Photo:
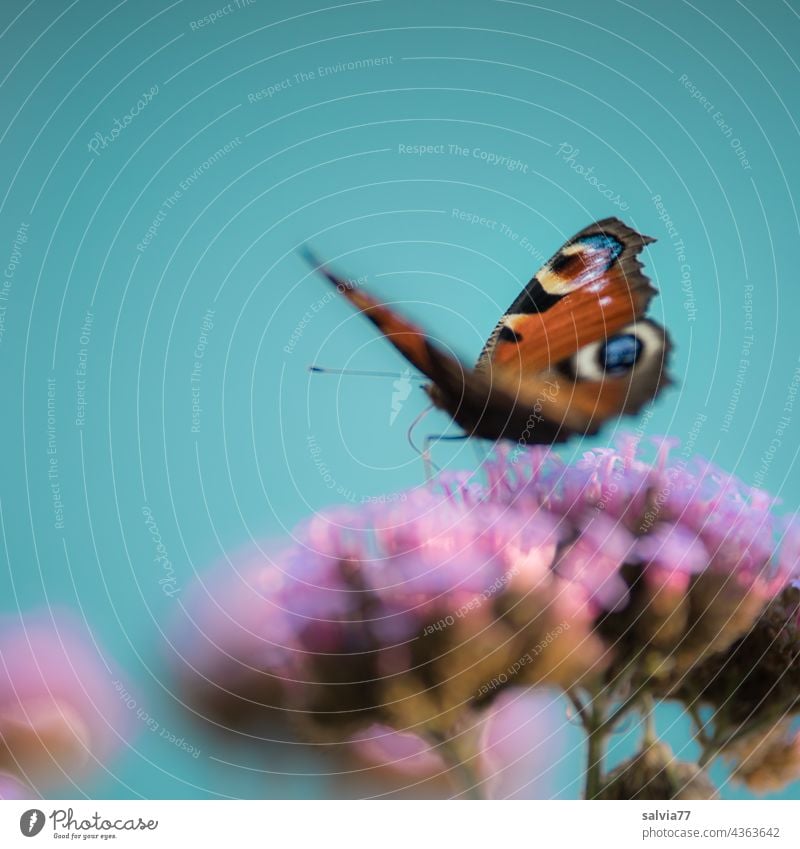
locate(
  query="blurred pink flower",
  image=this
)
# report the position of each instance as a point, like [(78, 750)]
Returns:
[(416, 614), (59, 711), (686, 513), (401, 751), (386, 614), (709, 552), (362, 584), (10, 788), (525, 736), (520, 739)]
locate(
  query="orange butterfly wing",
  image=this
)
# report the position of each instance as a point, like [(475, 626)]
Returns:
[(591, 292)]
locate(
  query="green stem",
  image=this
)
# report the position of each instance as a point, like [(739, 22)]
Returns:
[(649, 718), (594, 764), (699, 725), (609, 722), (597, 731), (579, 706), (464, 775), (598, 726)]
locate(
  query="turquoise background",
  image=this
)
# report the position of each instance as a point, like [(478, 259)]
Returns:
[(320, 161)]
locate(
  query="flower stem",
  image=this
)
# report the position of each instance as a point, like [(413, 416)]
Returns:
[(649, 719), (597, 728), (462, 771), (594, 763), (609, 722), (699, 725), (708, 755), (579, 706), (599, 725)]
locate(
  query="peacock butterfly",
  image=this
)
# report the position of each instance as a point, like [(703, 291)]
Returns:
[(574, 349)]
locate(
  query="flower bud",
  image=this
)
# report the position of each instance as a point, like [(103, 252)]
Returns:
[(655, 774), (767, 762)]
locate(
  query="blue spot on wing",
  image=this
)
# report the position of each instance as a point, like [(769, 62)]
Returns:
[(620, 354), (604, 242)]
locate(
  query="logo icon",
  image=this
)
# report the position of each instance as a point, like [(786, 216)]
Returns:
[(31, 822), (402, 389)]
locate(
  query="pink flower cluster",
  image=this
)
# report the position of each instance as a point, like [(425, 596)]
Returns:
[(389, 614), (59, 713), (407, 613)]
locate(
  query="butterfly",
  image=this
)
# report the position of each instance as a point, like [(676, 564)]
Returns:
[(571, 352)]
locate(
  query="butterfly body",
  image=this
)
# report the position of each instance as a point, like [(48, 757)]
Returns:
[(573, 350), (495, 415)]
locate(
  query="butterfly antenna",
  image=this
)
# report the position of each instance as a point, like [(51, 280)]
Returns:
[(363, 373)]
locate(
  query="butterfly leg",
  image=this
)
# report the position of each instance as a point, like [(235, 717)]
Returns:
[(430, 467), (426, 452)]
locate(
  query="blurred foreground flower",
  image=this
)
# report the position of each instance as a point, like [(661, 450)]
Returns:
[(618, 581), (59, 713), (517, 742)]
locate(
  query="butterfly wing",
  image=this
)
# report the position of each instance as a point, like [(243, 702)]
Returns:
[(594, 280), (412, 342), (580, 322)]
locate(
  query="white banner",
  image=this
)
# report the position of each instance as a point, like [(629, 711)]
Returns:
[(381, 824)]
